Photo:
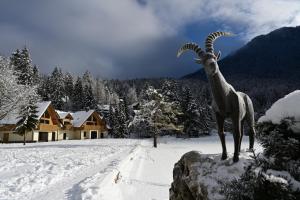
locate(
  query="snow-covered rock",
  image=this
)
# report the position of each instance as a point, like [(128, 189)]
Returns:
[(198, 176), (286, 107)]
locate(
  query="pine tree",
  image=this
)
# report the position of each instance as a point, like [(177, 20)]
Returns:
[(78, 95), (186, 99), (68, 90), (121, 125), (27, 119), (57, 88), (44, 89), (87, 79), (112, 120), (36, 75), (23, 66), (170, 90), (89, 99)]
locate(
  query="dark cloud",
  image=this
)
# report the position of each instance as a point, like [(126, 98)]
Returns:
[(128, 39)]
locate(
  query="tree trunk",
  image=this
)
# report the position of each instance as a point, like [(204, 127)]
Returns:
[(24, 138), (155, 140)]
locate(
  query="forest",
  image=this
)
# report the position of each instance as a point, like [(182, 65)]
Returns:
[(159, 106)]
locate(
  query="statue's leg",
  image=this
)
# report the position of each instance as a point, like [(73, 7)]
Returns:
[(242, 134), (251, 137), (236, 122), (220, 123)]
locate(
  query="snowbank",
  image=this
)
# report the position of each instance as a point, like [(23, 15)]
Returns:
[(288, 106)]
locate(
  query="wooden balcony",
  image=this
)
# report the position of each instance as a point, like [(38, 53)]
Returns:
[(92, 127), (47, 127)]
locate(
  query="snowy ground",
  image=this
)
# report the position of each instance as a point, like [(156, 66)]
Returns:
[(107, 169)]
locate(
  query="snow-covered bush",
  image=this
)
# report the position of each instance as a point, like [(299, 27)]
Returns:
[(276, 172)]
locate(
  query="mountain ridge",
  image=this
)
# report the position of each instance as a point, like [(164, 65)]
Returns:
[(273, 55)]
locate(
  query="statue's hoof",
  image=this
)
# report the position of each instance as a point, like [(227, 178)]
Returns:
[(235, 158), (224, 157)]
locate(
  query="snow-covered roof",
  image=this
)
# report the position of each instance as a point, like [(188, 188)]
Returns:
[(62, 114), (104, 107), (12, 117), (42, 107), (288, 106), (80, 117)]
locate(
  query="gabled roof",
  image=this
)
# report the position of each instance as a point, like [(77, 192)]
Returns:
[(63, 114), (80, 117), (42, 107), (12, 118)]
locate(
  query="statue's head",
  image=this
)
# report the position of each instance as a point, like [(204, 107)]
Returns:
[(207, 58)]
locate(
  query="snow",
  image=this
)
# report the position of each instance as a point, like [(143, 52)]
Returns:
[(62, 114), (42, 107), (288, 106), (283, 177), (12, 117), (100, 169), (80, 117)]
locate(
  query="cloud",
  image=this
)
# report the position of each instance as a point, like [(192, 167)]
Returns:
[(248, 17), (127, 38)]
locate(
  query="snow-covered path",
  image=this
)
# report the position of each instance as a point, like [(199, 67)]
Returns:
[(108, 169), (148, 173), (55, 170)]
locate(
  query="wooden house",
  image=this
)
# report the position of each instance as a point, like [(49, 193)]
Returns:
[(56, 125), (88, 125), (46, 130)]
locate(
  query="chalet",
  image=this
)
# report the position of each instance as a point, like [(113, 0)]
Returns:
[(88, 125), (66, 121), (54, 125), (46, 130)]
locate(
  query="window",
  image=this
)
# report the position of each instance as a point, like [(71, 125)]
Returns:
[(84, 134), (44, 121), (46, 115), (67, 123)]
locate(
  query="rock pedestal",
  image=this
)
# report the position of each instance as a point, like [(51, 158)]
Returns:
[(198, 176), (185, 184)]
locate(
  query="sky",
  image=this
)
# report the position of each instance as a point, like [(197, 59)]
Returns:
[(133, 38)]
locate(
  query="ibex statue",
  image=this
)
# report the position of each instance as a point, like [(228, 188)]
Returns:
[(227, 102)]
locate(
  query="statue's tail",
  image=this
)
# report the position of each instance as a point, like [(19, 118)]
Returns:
[(250, 120)]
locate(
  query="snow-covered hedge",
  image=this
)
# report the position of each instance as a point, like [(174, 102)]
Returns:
[(286, 107)]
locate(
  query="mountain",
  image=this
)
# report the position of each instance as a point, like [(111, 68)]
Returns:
[(274, 55)]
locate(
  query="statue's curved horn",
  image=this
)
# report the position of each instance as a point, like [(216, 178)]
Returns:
[(209, 42), (191, 46)]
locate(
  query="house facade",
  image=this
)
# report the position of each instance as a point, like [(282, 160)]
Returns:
[(89, 125), (46, 129), (55, 125)]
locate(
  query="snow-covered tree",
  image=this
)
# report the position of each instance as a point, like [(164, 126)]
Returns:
[(27, 118), (23, 66), (68, 90), (131, 96), (57, 88), (78, 95), (87, 79), (12, 94), (36, 75), (44, 88), (111, 120), (101, 95), (121, 130), (89, 99)]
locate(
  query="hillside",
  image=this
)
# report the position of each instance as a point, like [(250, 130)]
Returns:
[(274, 55)]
